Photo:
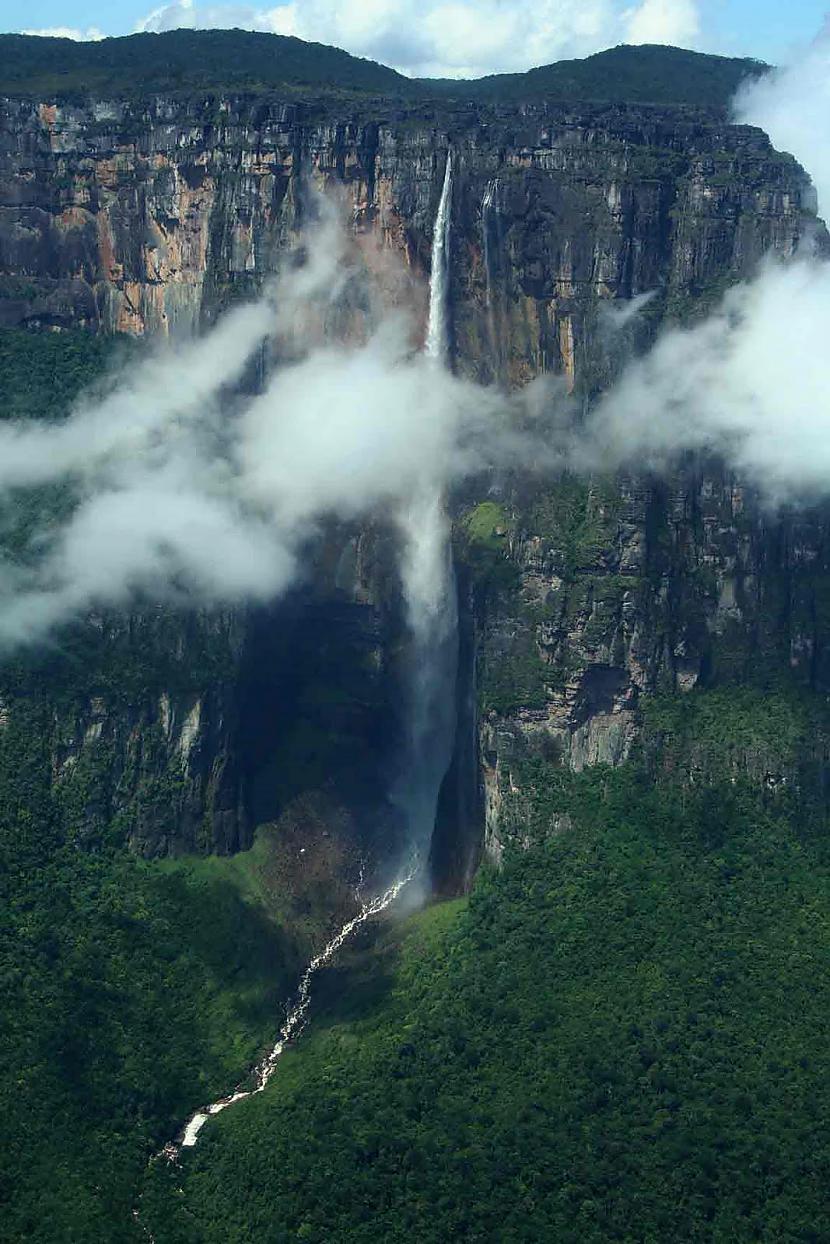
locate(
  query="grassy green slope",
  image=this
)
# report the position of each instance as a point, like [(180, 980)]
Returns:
[(623, 1037)]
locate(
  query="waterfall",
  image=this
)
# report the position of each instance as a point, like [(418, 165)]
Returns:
[(429, 591), (436, 345), (430, 596), (493, 242)]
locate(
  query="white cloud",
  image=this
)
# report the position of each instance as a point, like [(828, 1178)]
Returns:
[(165, 394), (675, 22), (793, 106), (168, 17), (752, 382), (187, 15), (92, 33), (453, 38), (183, 493)]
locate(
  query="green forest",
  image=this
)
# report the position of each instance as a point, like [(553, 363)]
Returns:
[(621, 1036), (188, 61), (131, 990)]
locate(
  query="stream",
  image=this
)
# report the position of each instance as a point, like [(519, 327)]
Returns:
[(294, 1022)]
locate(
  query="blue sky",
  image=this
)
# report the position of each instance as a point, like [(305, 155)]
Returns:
[(459, 36)]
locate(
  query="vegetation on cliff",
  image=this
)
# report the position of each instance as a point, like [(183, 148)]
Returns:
[(648, 74), (240, 60), (623, 1036), (41, 374), (130, 992), (184, 60)]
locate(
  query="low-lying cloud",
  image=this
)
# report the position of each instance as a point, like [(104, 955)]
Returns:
[(148, 407), (751, 383), (793, 104), (181, 488)]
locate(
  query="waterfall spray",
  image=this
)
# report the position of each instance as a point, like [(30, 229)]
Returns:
[(429, 591)]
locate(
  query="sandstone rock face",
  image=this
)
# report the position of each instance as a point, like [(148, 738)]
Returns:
[(137, 218), (149, 218)]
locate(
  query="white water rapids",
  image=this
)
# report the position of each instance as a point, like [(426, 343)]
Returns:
[(294, 1021)]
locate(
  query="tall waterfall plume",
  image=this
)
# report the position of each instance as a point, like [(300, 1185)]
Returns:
[(437, 338), (429, 590), (430, 596)]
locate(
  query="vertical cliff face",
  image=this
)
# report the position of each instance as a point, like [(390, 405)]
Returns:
[(625, 589), (149, 217), (142, 712), (183, 731), (579, 596)]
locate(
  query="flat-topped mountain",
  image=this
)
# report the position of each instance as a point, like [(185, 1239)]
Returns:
[(620, 1032), (234, 60)]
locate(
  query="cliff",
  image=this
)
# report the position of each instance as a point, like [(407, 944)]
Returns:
[(147, 217), (579, 597), (193, 801)]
